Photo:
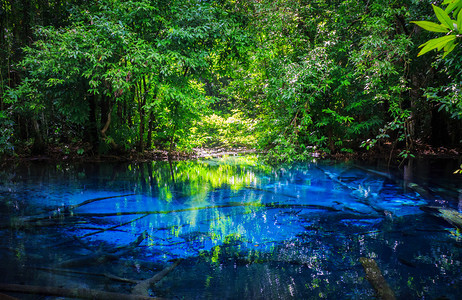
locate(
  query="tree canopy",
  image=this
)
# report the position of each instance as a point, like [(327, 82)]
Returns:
[(288, 77)]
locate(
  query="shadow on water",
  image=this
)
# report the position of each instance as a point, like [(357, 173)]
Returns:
[(231, 228)]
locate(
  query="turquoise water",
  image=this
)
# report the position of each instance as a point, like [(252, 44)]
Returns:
[(243, 230)]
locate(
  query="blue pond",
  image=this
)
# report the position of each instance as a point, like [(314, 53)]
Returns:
[(231, 228)]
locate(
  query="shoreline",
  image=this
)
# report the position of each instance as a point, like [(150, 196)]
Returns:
[(131, 156), (55, 155)]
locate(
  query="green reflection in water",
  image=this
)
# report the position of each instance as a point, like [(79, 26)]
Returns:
[(196, 185), (195, 178), (219, 215)]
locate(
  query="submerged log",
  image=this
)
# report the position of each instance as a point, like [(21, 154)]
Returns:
[(102, 256), (376, 279), (375, 172), (228, 205), (335, 179), (6, 297), (114, 227), (425, 193), (450, 215), (69, 208), (80, 293), (142, 288), (363, 195), (50, 218), (270, 192), (106, 275)]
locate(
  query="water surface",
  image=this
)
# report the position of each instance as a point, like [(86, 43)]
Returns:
[(241, 229)]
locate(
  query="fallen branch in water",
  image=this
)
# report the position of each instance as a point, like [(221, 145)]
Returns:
[(69, 208), (376, 279), (21, 223), (450, 215), (142, 288), (102, 256), (106, 275), (424, 192), (270, 192), (375, 172), (99, 230), (229, 205), (363, 198), (146, 213), (80, 293), (335, 179), (113, 227), (49, 219), (6, 297)]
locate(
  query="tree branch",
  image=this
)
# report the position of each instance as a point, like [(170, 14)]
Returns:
[(142, 288), (70, 293)]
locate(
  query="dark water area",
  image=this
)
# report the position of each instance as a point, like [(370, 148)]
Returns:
[(232, 228)]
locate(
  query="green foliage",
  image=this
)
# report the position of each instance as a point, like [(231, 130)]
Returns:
[(6, 134), (334, 76), (230, 131), (447, 94), (288, 77), (453, 28), (145, 63), (288, 150), (449, 97)]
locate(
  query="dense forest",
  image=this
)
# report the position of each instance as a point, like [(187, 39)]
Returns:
[(288, 77)]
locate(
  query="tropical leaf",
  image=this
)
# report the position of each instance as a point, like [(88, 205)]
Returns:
[(437, 43), (449, 47), (430, 26), (443, 17), (454, 6), (459, 21), (450, 7)]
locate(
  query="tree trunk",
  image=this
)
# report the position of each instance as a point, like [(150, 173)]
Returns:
[(106, 112), (105, 108), (440, 130), (150, 128), (91, 128), (141, 103), (25, 33), (39, 145)]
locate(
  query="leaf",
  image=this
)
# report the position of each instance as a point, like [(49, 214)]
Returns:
[(450, 7), (443, 17), (459, 22), (430, 26), (448, 48), (449, 45), (436, 43), (454, 6)]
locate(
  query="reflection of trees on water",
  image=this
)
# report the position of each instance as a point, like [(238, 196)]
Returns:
[(192, 178), (290, 231)]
